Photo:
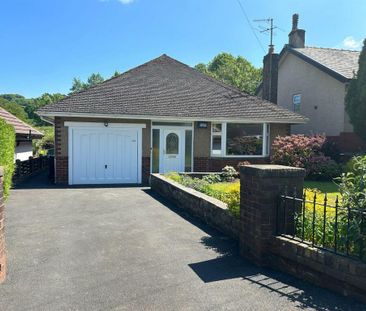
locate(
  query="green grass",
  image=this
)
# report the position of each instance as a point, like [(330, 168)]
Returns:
[(323, 186)]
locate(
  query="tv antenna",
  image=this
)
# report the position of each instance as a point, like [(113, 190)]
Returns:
[(268, 29)]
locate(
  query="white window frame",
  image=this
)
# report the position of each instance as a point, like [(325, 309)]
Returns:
[(223, 153)]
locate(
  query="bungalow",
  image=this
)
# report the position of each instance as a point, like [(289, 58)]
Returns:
[(158, 117), (24, 135)]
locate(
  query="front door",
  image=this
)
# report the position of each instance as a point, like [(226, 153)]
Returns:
[(172, 151)]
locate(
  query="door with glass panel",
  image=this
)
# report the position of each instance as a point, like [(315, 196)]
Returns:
[(172, 150)]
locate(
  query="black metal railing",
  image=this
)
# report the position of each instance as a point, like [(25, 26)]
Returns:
[(322, 222)]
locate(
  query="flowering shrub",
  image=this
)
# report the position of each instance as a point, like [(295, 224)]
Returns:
[(229, 173), (305, 152)]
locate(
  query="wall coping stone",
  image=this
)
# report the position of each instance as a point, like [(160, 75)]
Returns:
[(272, 170), (192, 191)]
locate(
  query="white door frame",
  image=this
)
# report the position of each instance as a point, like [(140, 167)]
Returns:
[(170, 127), (92, 125)]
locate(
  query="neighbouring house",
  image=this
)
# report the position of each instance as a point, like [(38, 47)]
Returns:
[(313, 82), (158, 117), (24, 135)]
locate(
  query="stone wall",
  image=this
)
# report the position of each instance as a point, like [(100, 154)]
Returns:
[(2, 237), (211, 211)]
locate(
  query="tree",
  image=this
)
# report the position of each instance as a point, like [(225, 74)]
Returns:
[(356, 97), (94, 79), (116, 74), (15, 109), (78, 85), (236, 71)]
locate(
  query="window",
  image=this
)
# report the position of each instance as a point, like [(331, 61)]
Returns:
[(156, 150), (239, 139), (188, 151), (296, 102), (216, 133), (244, 139), (172, 144)]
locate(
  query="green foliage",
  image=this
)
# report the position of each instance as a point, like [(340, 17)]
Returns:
[(235, 71), (353, 185), (229, 173), (93, 79), (25, 108), (42, 146), (78, 85), (7, 143), (212, 185), (15, 109), (356, 97), (36, 103)]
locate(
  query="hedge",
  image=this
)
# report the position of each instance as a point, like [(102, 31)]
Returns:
[(7, 146)]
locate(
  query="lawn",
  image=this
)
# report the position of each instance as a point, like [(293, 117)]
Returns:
[(328, 187)]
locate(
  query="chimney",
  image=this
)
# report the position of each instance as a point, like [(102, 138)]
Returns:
[(296, 36), (270, 76)]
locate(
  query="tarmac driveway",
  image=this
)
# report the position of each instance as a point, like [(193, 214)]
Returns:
[(125, 249)]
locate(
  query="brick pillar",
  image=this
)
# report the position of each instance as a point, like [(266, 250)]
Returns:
[(260, 188), (2, 237)]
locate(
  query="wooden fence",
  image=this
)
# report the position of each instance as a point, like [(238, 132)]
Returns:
[(24, 169)]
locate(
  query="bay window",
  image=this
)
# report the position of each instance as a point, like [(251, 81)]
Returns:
[(239, 139)]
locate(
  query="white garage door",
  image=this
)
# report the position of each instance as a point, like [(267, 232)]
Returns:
[(104, 155)]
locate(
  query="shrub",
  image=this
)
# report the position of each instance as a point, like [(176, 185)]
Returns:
[(323, 168), (7, 146), (242, 163), (229, 173), (330, 149), (212, 178), (353, 189), (305, 152), (174, 176), (353, 185)]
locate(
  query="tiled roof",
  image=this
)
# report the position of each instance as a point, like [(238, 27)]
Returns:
[(165, 87), (20, 127), (342, 62)]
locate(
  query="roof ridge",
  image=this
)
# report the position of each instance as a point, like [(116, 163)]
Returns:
[(331, 49)]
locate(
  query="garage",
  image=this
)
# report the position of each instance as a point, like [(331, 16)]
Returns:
[(102, 153)]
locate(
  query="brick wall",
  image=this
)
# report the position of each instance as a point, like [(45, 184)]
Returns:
[(145, 170), (61, 161), (204, 164), (348, 142), (2, 237), (261, 186)]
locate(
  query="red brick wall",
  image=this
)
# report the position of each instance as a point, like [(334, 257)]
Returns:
[(2, 237), (348, 142), (203, 164), (62, 162), (145, 170)]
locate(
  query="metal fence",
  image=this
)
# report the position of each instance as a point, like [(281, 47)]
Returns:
[(323, 222)]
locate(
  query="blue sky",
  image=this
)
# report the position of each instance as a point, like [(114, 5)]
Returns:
[(47, 43)]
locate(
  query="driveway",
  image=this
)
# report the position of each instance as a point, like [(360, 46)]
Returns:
[(125, 249)]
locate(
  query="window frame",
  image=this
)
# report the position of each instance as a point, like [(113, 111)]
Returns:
[(223, 134)]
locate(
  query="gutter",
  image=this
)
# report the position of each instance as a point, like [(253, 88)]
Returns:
[(46, 115)]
